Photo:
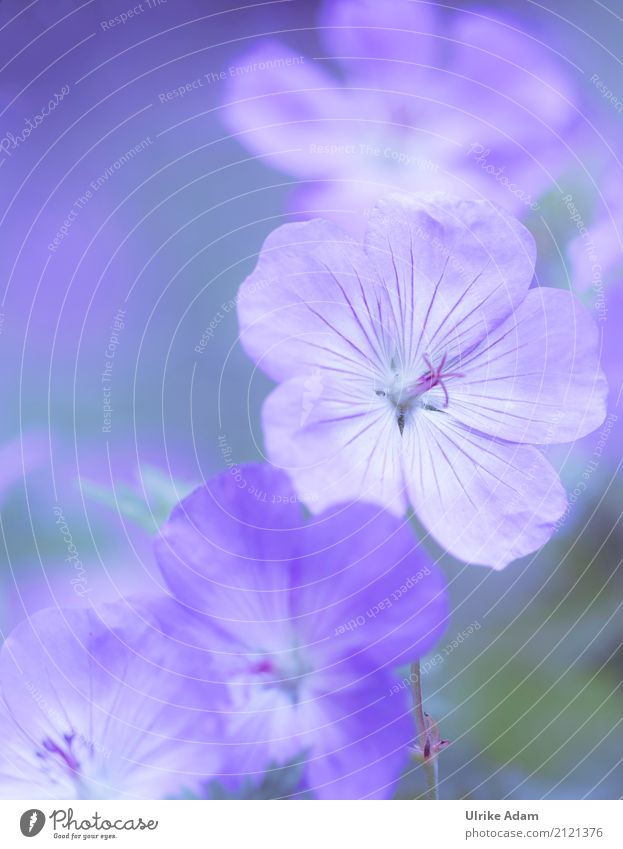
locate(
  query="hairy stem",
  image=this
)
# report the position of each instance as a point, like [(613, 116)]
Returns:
[(423, 735)]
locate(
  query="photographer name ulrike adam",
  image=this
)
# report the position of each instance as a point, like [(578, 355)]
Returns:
[(495, 815)]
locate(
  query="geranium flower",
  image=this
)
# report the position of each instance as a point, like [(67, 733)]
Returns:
[(441, 370), (99, 710), (400, 95), (596, 260), (596, 250), (307, 621)]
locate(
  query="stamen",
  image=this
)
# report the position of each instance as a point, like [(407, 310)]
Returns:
[(403, 396), (66, 755), (285, 671), (263, 666), (435, 377)]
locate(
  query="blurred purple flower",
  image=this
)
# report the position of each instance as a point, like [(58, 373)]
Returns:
[(596, 250), (441, 370), (308, 620), (417, 99), (95, 709), (596, 265)]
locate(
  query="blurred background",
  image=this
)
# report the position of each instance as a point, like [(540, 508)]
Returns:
[(135, 193)]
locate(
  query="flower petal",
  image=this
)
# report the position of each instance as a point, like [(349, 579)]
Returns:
[(225, 553), (284, 107), (101, 709), (455, 269), (335, 446), (485, 501), (313, 299), (522, 93), (364, 584), (263, 729), (373, 41), (349, 728), (536, 378), (364, 732)]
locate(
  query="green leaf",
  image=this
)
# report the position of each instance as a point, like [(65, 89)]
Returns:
[(147, 503)]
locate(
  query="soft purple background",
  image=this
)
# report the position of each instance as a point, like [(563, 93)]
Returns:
[(168, 238)]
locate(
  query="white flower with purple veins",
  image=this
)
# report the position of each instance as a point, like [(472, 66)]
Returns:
[(442, 370), (90, 710)]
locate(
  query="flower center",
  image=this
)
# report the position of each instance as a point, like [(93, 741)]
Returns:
[(285, 671), (406, 394), (68, 755)]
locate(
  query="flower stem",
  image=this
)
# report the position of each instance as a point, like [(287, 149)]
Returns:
[(429, 757)]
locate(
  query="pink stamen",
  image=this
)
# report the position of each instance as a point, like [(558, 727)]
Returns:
[(435, 377), (65, 755), (265, 665)]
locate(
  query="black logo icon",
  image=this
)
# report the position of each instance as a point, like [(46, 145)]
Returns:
[(31, 822)]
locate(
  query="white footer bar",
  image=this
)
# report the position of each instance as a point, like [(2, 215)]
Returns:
[(302, 824)]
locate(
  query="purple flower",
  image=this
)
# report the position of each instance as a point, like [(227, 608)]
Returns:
[(596, 253), (308, 620), (95, 709), (441, 370), (410, 98)]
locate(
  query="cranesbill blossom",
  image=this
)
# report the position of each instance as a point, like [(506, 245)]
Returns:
[(436, 370), (401, 95), (596, 251), (595, 260), (307, 621), (96, 710)]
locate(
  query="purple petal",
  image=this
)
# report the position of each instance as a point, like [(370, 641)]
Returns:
[(312, 299), (97, 710), (365, 731), (283, 106), (522, 94), (455, 269), (225, 552), (611, 357), (365, 585), (347, 199), (595, 256), (485, 501), (536, 378), (263, 729), (335, 448), (385, 44), (350, 728)]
